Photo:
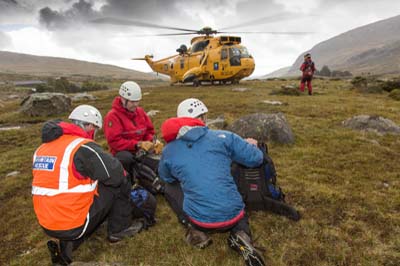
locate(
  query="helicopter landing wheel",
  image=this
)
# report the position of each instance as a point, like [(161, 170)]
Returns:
[(196, 83)]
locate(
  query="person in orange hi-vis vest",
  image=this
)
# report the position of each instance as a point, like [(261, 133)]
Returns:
[(76, 185)]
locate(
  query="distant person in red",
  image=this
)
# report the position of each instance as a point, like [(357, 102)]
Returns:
[(308, 69)]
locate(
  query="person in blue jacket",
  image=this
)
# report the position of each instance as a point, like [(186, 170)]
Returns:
[(199, 160)]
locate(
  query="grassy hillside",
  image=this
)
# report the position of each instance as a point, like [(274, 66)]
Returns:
[(57, 66), (345, 183)]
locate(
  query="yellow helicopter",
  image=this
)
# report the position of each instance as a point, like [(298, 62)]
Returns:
[(215, 59)]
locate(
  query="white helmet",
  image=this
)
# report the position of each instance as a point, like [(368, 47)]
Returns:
[(88, 114), (191, 108), (131, 91)]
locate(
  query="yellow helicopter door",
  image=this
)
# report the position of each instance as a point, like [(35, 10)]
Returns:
[(224, 63)]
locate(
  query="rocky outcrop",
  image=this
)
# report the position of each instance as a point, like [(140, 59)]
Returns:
[(370, 123), (46, 104), (264, 127)]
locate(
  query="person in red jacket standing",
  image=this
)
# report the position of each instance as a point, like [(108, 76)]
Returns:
[(308, 69), (127, 127)]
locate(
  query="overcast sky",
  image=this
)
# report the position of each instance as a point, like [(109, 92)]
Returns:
[(63, 28)]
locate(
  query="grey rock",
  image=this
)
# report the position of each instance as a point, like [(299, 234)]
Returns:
[(83, 96), (289, 87), (370, 123), (13, 96), (152, 112), (264, 127), (217, 123), (287, 90), (272, 102), (6, 128), (240, 89), (45, 104), (13, 173)]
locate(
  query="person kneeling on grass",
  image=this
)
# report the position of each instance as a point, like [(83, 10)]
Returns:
[(76, 185), (199, 161)]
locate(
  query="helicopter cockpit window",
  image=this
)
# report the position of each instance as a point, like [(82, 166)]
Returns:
[(224, 54), (200, 46), (234, 56), (244, 53)]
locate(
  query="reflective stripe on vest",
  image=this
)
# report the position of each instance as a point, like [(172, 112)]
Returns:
[(63, 177), (61, 201)]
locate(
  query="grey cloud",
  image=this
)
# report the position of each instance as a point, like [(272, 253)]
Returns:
[(83, 11), (79, 12)]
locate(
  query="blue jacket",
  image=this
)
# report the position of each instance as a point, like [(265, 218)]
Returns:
[(201, 161)]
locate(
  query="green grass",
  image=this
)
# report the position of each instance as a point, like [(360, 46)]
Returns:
[(335, 176)]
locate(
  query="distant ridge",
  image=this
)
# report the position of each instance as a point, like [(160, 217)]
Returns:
[(370, 49), (373, 49), (56, 66)]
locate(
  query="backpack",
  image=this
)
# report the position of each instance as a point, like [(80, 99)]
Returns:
[(144, 205), (259, 189), (145, 171)]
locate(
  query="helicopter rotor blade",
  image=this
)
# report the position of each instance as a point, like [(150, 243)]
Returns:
[(127, 22), (165, 34), (269, 32), (269, 19)]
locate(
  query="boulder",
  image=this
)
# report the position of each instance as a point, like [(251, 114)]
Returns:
[(372, 123), (217, 123), (264, 127), (83, 96), (45, 104)]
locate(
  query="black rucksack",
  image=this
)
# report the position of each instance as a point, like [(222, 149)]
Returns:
[(145, 171), (259, 189)]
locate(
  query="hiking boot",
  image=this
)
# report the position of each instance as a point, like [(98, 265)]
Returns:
[(128, 232), (309, 93), (56, 258), (197, 238), (241, 243)]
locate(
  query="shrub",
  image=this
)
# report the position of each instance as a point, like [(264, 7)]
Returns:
[(395, 94)]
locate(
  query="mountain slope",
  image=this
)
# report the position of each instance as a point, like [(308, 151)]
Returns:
[(50, 66), (373, 48)]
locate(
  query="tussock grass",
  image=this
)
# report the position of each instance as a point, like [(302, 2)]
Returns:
[(345, 183)]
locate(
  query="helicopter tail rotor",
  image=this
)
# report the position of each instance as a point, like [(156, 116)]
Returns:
[(146, 57)]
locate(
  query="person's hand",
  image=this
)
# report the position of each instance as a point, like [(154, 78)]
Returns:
[(158, 147), (252, 141), (145, 145)]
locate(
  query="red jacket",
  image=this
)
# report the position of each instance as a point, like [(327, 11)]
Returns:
[(124, 129), (308, 68)]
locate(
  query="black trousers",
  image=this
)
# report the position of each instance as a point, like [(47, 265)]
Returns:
[(112, 203), (127, 160), (174, 195)]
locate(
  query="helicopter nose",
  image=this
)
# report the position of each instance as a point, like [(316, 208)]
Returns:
[(248, 66)]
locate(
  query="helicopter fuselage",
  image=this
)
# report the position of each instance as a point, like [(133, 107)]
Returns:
[(220, 58)]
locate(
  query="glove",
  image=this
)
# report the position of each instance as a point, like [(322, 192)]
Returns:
[(158, 147), (145, 145)]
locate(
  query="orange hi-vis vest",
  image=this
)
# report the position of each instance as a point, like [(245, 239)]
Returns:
[(60, 200)]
